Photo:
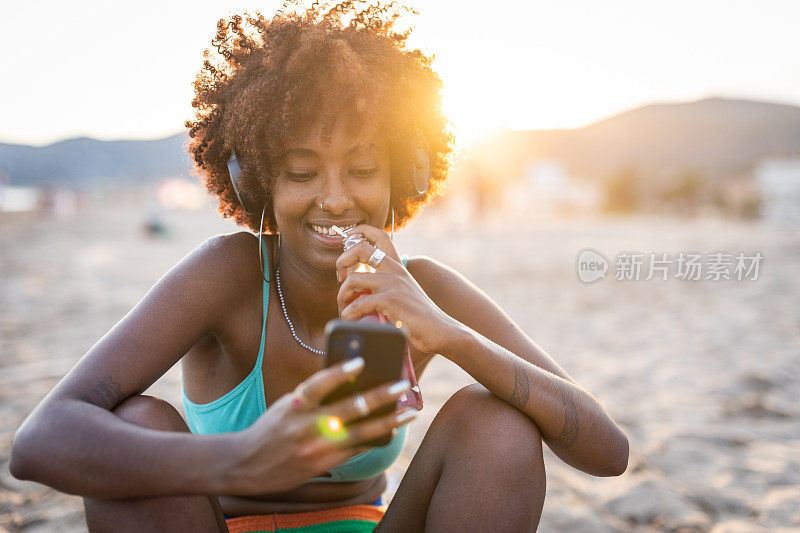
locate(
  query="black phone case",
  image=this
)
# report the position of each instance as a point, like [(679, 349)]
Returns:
[(383, 347)]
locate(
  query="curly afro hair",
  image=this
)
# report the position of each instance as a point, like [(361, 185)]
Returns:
[(273, 79)]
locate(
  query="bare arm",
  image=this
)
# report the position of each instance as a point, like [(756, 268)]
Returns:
[(486, 343), (74, 443), (80, 448), (572, 421)]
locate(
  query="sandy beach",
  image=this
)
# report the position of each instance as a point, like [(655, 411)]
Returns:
[(703, 376)]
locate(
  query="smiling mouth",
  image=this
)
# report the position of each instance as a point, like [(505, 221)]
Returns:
[(327, 231)]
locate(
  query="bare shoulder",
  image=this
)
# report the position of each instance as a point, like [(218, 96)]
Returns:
[(444, 284), (231, 250), (232, 261), (241, 239), (237, 254), (454, 293), (222, 264)]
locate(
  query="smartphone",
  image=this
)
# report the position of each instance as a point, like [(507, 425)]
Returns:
[(383, 347)]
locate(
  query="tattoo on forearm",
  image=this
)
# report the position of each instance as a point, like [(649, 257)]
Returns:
[(569, 433), (522, 390), (107, 392)]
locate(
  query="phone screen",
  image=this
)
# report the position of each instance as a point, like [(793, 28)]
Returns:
[(383, 347)]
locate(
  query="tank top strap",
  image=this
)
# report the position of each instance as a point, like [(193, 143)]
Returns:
[(264, 302)]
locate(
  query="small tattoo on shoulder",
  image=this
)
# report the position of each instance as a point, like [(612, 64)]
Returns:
[(107, 392), (522, 390)]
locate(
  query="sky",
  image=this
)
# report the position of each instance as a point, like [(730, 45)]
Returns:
[(119, 70)]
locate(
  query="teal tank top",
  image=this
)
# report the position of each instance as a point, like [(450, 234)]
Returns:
[(241, 406)]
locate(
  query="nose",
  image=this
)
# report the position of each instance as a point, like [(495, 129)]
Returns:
[(335, 197)]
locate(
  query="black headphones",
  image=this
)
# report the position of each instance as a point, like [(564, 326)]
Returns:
[(420, 175)]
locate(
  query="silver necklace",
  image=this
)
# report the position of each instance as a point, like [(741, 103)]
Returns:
[(286, 315)]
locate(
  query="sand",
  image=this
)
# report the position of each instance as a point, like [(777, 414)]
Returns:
[(703, 376)]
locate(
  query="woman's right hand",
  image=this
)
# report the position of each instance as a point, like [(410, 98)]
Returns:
[(291, 443)]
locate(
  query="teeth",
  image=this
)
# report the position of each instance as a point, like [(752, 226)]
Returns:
[(329, 231)]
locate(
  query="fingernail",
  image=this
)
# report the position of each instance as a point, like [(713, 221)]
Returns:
[(399, 387), (337, 277), (407, 415), (353, 364)]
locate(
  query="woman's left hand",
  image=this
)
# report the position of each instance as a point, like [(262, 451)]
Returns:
[(395, 293)]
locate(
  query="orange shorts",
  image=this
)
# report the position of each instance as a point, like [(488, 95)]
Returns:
[(351, 519)]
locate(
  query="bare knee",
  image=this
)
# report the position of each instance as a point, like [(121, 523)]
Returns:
[(167, 513), (150, 412), (474, 406), (493, 465), (479, 421)]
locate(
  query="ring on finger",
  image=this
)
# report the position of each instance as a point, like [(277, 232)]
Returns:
[(361, 405), (300, 399), (352, 239), (376, 258)]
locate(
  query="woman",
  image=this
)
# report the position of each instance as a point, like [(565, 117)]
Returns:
[(330, 124)]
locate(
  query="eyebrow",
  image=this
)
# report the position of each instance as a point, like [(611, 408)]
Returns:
[(305, 152)]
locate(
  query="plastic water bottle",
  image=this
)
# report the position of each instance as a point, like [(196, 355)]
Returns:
[(414, 398)]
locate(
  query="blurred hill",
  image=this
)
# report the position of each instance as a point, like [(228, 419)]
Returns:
[(83, 162), (717, 137)]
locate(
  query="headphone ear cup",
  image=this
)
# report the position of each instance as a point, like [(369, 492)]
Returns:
[(251, 207), (422, 171)]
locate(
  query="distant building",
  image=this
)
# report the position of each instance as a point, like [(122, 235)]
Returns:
[(778, 181), (548, 187), (13, 199)]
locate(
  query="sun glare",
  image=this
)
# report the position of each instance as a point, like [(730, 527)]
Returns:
[(472, 122)]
